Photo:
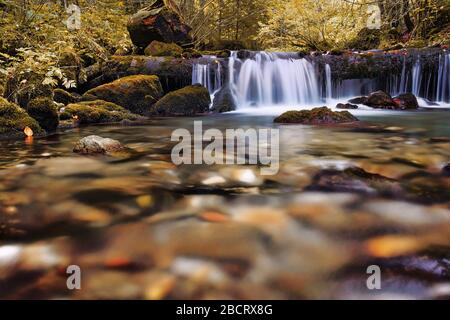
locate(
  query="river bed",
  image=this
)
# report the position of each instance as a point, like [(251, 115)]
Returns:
[(138, 226)]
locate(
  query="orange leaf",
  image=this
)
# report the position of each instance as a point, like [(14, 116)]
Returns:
[(28, 132)]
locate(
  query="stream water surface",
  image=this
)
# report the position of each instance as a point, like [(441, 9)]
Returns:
[(138, 226)]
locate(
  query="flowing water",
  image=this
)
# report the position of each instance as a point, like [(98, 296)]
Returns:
[(141, 227), (283, 80)]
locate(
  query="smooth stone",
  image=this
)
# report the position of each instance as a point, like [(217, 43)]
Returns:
[(95, 144)]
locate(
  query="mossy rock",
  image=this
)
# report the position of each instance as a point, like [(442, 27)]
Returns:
[(98, 111), (321, 115), (64, 97), (162, 49), (22, 87), (14, 119), (43, 110), (188, 101), (223, 100), (380, 99), (136, 93)]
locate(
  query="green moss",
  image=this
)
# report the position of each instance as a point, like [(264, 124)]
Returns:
[(64, 97), (321, 115), (187, 101), (136, 93), (14, 119), (162, 49), (98, 111), (21, 88), (43, 110)]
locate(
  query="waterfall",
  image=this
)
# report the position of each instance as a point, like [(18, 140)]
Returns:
[(283, 79), (268, 79), (328, 83), (208, 73), (416, 77), (443, 83)]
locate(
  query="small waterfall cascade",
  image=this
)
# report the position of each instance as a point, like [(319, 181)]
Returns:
[(208, 73), (416, 77), (268, 79), (328, 83), (443, 82)]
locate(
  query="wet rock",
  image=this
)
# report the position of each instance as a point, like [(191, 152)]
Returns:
[(161, 49), (13, 120), (446, 170), (97, 111), (380, 99), (95, 144), (321, 115), (358, 100), (346, 106), (354, 180), (406, 101), (244, 54), (64, 97), (190, 100), (135, 93), (174, 73), (223, 100), (159, 21), (43, 110)]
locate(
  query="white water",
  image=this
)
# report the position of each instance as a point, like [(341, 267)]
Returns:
[(280, 81), (270, 79), (328, 83), (208, 74)]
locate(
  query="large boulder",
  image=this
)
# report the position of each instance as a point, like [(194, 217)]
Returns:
[(188, 101), (346, 106), (43, 110), (14, 119), (174, 73), (162, 49), (135, 93), (97, 111), (159, 21), (321, 115), (223, 100), (64, 97), (380, 99), (406, 101)]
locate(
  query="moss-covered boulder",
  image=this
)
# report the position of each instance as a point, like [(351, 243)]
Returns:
[(380, 99), (98, 111), (188, 101), (223, 100), (135, 93), (346, 106), (43, 110), (159, 21), (173, 73), (64, 97), (162, 49), (358, 100), (14, 119), (23, 86), (406, 101), (321, 115)]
